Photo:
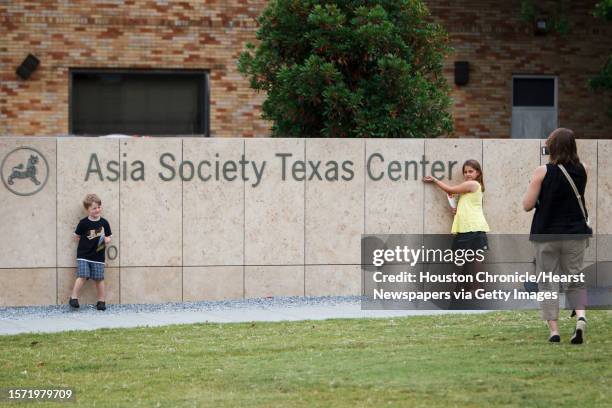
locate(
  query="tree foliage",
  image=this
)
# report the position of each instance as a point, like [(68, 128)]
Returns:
[(350, 68), (603, 9)]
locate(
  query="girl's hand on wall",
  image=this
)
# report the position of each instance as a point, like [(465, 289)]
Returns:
[(428, 179), (453, 211)]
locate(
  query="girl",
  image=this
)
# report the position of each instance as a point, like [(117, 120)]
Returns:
[(469, 224)]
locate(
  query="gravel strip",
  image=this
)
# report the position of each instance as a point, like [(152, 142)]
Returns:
[(29, 312)]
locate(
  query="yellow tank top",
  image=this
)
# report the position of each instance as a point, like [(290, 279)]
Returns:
[(469, 216)]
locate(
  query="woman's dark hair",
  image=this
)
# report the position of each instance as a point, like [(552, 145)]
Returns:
[(476, 166), (562, 147)]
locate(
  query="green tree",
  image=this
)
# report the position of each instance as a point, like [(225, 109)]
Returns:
[(350, 68)]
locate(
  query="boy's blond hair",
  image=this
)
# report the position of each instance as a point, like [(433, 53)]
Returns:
[(90, 199)]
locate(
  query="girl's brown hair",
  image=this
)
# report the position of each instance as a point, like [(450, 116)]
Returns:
[(562, 147), (476, 166)]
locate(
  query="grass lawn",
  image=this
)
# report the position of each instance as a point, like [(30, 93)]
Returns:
[(494, 359)]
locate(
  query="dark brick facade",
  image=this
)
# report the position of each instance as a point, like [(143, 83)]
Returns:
[(492, 37), (211, 34)]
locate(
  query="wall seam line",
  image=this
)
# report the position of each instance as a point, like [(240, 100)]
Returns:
[(304, 228), (364, 184), (244, 226), (365, 146), (119, 227), (423, 206), (56, 224), (596, 213), (182, 226)]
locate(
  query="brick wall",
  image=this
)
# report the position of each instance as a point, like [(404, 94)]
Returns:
[(492, 37), (191, 34), (211, 34)]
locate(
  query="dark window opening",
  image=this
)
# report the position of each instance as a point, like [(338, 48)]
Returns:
[(534, 92), (139, 103)]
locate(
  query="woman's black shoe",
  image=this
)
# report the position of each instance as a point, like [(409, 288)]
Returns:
[(555, 338), (578, 336), (101, 305), (74, 303)]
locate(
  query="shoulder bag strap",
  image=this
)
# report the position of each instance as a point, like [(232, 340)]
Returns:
[(578, 197)]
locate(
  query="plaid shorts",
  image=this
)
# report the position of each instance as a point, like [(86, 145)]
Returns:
[(90, 270)]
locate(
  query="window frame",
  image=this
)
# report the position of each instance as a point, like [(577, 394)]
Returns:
[(555, 78), (204, 93)]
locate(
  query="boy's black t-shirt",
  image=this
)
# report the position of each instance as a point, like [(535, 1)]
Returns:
[(91, 248)]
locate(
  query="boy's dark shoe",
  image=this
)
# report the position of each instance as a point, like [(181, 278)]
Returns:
[(555, 338), (74, 303), (101, 305)]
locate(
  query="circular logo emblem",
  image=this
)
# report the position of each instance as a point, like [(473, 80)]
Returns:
[(24, 171)]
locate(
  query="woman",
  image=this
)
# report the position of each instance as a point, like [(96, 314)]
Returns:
[(559, 228)]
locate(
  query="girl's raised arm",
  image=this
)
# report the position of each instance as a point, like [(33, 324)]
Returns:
[(465, 187)]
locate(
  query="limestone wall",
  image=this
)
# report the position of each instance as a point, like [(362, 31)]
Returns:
[(179, 236)]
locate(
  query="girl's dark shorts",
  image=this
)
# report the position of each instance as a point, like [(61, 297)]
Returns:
[(471, 240)]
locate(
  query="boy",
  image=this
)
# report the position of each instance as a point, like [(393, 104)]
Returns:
[(93, 233)]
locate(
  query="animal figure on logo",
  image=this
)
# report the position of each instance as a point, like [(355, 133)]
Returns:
[(29, 172)]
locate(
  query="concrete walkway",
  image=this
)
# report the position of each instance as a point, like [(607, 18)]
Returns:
[(86, 318)]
